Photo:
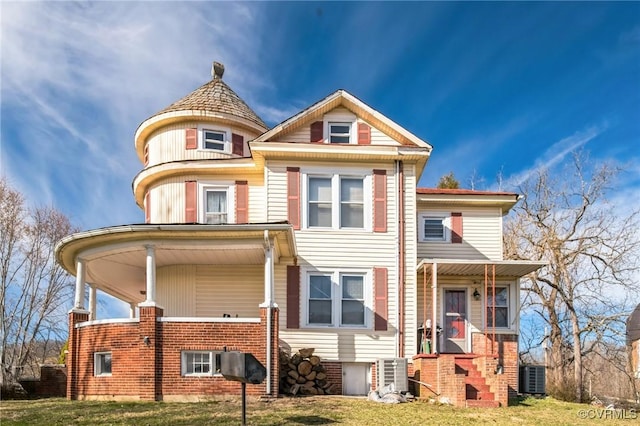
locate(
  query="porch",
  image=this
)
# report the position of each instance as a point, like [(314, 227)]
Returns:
[(193, 291)]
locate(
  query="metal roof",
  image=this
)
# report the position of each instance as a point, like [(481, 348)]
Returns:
[(463, 267)]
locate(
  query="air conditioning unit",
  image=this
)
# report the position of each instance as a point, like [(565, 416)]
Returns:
[(532, 378), (393, 370)]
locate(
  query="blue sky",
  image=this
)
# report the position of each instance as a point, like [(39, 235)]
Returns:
[(494, 87)]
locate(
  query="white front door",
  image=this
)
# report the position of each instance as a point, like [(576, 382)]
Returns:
[(455, 321), (355, 379)]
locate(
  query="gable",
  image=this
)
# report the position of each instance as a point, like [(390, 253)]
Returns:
[(342, 107)]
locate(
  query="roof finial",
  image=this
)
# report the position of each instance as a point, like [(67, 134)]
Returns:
[(217, 69)]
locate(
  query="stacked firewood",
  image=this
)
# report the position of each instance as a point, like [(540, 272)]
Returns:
[(302, 373)]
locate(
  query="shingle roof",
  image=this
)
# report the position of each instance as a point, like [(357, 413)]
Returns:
[(216, 96)]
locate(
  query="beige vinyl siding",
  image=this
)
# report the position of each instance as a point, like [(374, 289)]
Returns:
[(410, 248), (482, 235), (168, 197), (229, 290), (176, 290), (299, 135), (380, 138), (168, 143), (339, 250)]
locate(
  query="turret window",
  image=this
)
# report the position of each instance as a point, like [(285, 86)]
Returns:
[(214, 139)]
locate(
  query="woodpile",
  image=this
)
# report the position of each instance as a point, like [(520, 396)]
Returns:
[(303, 373)]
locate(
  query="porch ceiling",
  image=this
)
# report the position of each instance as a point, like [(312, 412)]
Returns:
[(504, 268), (115, 258)]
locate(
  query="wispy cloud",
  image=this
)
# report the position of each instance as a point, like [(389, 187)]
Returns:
[(86, 74), (555, 154)]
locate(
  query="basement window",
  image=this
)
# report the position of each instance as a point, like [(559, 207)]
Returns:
[(200, 363), (102, 363)]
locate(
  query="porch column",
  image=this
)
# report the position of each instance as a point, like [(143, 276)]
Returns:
[(132, 310), (80, 280), (269, 304), (151, 275), (268, 274), (92, 302), (434, 308)]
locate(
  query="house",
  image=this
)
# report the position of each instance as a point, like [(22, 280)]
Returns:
[(310, 234), (633, 341)]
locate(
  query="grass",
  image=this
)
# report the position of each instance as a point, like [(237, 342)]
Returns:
[(299, 411)]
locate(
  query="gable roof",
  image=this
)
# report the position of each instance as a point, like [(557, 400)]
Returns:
[(355, 105)]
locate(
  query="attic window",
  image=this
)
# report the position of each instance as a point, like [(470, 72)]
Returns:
[(339, 132)]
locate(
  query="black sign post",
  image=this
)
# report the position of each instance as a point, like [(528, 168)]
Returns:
[(244, 368)]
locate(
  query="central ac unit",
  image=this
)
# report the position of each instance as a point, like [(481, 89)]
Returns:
[(532, 379), (393, 370)]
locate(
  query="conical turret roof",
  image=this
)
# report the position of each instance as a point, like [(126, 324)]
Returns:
[(217, 97)]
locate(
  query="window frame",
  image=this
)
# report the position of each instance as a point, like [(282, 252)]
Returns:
[(337, 299), (214, 367), (226, 142), (204, 187), (508, 304), (446, 227), (98, 365), (336, 199), (331, 134)]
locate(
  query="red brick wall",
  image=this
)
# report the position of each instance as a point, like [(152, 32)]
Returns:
[(505, 347), (153, 370), (334, 375)]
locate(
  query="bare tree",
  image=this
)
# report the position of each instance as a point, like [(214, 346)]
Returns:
[(590, 284), (34, 289)]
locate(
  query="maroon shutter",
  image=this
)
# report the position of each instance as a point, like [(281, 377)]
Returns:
[(380, 305), (146, 154), (293, 296), (191, 202), (456, 228), (191, 138), (147, 207), (242, 201), (237, 144), (364, 134), (293, 196), (317, 132), (379, 201)]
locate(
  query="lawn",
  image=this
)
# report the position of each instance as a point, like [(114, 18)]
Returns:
[(301, 411)]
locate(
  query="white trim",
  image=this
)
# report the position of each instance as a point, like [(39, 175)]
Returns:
[(208, 319), (512, 308), (222, 186), (335, 275), (340, 117), (467, 321), (107, 321), (96, 364), (211, 127)]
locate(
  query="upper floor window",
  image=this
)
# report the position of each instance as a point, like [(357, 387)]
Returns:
[(339, 132), (214, 139), (433, 228), (336, 201), (216, 203), (498, 304), (337, 299)]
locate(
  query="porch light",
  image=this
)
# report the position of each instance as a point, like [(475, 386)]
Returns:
[(499, 369), (476, 294)]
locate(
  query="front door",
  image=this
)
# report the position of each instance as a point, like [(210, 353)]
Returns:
[(455, 321)]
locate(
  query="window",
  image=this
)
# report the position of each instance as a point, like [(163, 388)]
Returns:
[(337, 202), (339, 132), (102, 363), (214, 139), (501, 304), (337, 299), (434, 229), (215, 202), (200, 363)]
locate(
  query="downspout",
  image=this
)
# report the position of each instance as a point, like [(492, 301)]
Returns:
[(402, 260), (268, 275)]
